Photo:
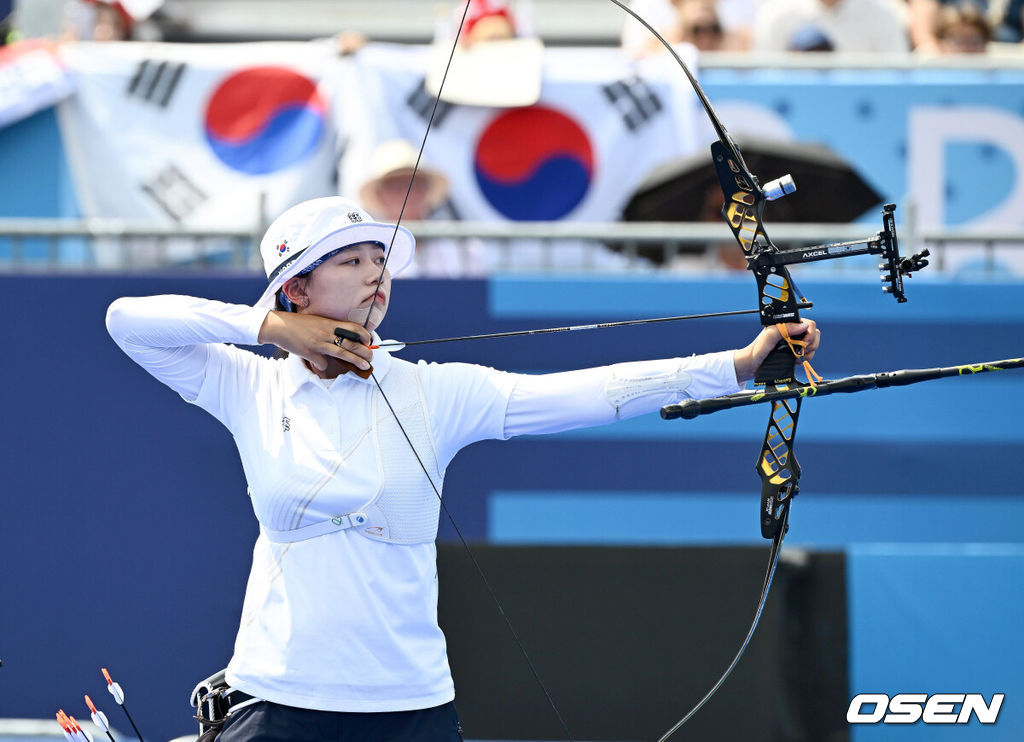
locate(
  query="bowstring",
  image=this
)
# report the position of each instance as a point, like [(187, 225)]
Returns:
[(773, 562), (479, 569), (419, 157), (373, 375)]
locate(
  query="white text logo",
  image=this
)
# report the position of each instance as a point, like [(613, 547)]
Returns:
[(909, 708)]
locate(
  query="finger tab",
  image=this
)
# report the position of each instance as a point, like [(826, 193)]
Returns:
[(341, 332)]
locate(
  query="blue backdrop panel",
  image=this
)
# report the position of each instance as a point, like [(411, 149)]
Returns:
[(37, 182), (938, 619), (818, 520), (875, 108), (126, 532)]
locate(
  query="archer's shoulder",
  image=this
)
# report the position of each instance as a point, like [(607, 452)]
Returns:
[(450, 369), (253, 361), (460, 378)]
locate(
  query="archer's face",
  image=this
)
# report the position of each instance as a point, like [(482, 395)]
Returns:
[(344, 286)]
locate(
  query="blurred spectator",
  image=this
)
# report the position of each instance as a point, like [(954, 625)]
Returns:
[(733, 18), (112, 23), (717, 256), (810, 39), (487, 20), (637, 40), (737, 18), (923, 21), (111, 20), (692, 21), (1004, 19), (6, 23), (847, 25), (391, 166), (962, 29), (349, 42), (499, 60), (698, 24), (383, 193), (1010, 25)]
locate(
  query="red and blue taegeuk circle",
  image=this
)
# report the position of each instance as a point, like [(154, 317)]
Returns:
[(262, 119), (534, 164)]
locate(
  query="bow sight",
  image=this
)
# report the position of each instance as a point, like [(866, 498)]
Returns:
[(743, 211), (893, 266)]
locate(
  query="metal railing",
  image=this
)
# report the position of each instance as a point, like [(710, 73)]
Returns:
[(61, 245)]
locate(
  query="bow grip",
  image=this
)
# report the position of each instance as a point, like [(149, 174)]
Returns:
[(779, 366)]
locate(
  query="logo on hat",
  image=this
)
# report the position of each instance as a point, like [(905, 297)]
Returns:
[(283, 247), (355, 216)]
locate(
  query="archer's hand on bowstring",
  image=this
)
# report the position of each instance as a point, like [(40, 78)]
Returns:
[(312, 338), (747, 360)]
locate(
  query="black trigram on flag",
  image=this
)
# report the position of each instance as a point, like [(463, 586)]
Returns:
[(635, 101), (174, 193), (422, 103), (155, 82)]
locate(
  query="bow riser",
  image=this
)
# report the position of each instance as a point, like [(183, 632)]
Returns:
[(743, 211)]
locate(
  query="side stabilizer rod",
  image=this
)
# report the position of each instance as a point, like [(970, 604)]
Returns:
[(695, 407)]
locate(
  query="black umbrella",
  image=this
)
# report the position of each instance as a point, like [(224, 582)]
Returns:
[(829, 189)]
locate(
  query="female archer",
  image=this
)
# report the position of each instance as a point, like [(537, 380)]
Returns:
[(339, 636)]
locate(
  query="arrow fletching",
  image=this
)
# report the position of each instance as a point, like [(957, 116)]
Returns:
[(114, 688), (118, 694), (81, 733), (68, 735), (98, 717)]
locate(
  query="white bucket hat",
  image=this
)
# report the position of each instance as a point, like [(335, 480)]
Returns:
[(307, 231)]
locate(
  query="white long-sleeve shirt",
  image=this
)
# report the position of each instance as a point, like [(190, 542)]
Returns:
[(343, 622)]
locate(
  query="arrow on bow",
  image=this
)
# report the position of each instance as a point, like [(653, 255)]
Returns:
[(395, 345)]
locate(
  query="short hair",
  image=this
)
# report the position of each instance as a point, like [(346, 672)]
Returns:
[(962, 13)]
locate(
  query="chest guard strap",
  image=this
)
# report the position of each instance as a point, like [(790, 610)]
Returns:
[(405, 510)]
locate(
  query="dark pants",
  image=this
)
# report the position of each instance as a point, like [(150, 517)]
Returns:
[(270, 722)]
